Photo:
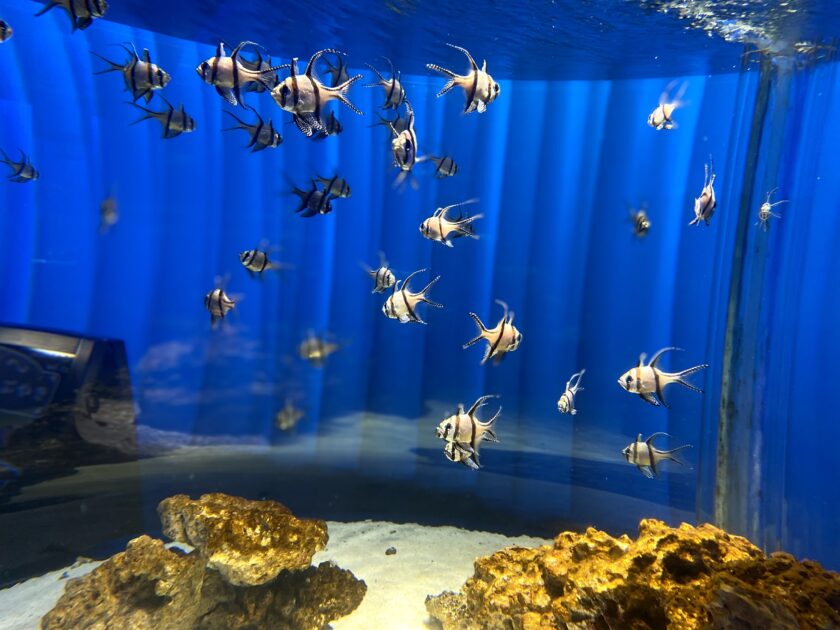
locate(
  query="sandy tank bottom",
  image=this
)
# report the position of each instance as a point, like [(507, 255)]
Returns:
[(428, 560)]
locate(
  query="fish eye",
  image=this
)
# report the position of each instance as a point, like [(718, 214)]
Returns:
[(629, 379)]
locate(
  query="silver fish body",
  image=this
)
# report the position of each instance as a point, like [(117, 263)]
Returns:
[(478, 85), (230, 75), (174, 122), (334, 186), (646, 457), (566, 403), (394, 91), (501, 339), (765, 212), (6, 31), (466, 432), (316, 350), (261, 136), (641, 222), (288, 417), (662, 116), (649, 382), (218, 303), (312, 201), (402, 303), (705, 204), (81, 13), (441, 229), (404, 146), (444, 166), (22, 169), (140, 75), (383, 277)]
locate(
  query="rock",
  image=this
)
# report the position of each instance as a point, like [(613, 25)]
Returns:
[(390, 551), (148, 587), (675, 578), (248, 542)]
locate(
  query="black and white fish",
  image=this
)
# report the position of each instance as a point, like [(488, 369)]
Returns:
[(402, 303), (649, 382), (312, 201), (218, 303), (460, 454), (22, 170), (288, 417), (141, 76), (337, 71), (6, 31), (332, 127), (444, 166), (660, 118), (464, 429), (262, 65), (501, 339), (109, 213), (705, 204), (230, 75), (261, 136), (394, 91), (640, 220), (174, 122), (383, 277), (304, 96), (480, 88), (566, 404), (257, 261), (765, 212), (646, 457), (404, 146), (334, 186), (316, 350), (82, 13), (442, 230)]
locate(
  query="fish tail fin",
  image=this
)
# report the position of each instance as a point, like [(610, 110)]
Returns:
[(377, 73), (426, 289), (148, 113), (464, 226), (680, 377), (114, 67), (481, 331), (5, 155), (241, 124), (671, 454), (444, 71), (49, 6), (694, 221)]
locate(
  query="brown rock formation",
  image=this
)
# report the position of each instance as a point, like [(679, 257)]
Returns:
[(248, 542), (668, 578)]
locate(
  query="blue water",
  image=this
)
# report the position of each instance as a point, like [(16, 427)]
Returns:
[(555, 161)]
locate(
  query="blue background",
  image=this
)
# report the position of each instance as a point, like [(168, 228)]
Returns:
[(555, 164)]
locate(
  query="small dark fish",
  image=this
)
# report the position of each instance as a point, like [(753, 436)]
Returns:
[(6, 31), (316, 350), (288, 417), (312, 201), (108, 214), (444, 166), (644, 456), (338, 72), (174, 122), (641, 222), (22, 170), (334, 186), (218, 303), (141, 76), (262, 136), (82, 13), (332, 127), (394, 91)]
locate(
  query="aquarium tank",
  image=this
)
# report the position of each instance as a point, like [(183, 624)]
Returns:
[(419, 314)]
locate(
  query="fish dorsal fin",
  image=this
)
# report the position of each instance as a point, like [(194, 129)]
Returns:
[(310, 67), (473, 65), (484, 67), (220, 50), (410, 276), (642, 358), (293, 69), (146, 57), (659, 354), (639, 437), (168, 104), (460, 409)]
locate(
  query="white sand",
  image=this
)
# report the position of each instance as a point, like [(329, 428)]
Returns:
[(428, 560)]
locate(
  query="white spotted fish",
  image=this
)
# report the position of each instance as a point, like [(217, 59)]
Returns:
[(501, 339), (402, 303), (480, 88), (644, 456), (141, 76), (304, 96), (174, 122), (661, 117), (442, 230), (705, 204), (467, 432), (765, 212), (230, 74), (261, 136), (649, 382)]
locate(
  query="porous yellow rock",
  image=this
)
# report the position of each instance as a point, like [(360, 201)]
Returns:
[(680, 578), (248, 542)]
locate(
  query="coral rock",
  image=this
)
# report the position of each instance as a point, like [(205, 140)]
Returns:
[(248, 542), (668, 578)]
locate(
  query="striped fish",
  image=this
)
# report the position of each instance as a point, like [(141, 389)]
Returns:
[(332, 127), (257, 261), (502, 339), (316, 350), (439, 228), (646, 457), (398, 124), (304, 96), (312, 201), (404, 146), (480, 88), (641, 222), (334, 186), (261, 136), (6, 31), (218, 303), (82, 13), (402, 303), (566, 404), (705, 204), (444, 166), (174, 122), (765, 212), (467, 432), (22, 170), (649, 382), (383, 277), (229, 75), (660, 118), (141, 76), (394, 91)]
